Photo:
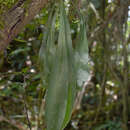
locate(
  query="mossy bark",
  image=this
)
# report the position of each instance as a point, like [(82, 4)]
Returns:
[(16, 18)]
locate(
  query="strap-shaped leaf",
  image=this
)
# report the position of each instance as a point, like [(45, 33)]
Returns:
[(72, 73), (47, 50), (81, 54)]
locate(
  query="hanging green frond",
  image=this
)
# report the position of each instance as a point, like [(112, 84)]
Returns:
[(81, 54), (47, 50)]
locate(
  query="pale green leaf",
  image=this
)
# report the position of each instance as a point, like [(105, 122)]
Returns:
[(81, 55)]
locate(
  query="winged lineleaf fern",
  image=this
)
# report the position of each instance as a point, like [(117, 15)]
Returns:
[(59, 70), (58, 65)]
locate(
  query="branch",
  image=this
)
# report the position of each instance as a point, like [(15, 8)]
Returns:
[(12, 122), (17, 17)]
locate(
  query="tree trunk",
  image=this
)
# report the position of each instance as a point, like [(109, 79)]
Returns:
[(16, 18)]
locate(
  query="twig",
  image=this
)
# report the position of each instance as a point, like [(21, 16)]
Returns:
[(12, 122), (25, 106)]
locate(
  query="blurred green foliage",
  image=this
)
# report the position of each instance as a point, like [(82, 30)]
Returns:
[(5, 5)]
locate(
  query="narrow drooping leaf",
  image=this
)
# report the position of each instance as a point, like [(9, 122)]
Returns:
[(47, 50), (71, 73), (81, 54)]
